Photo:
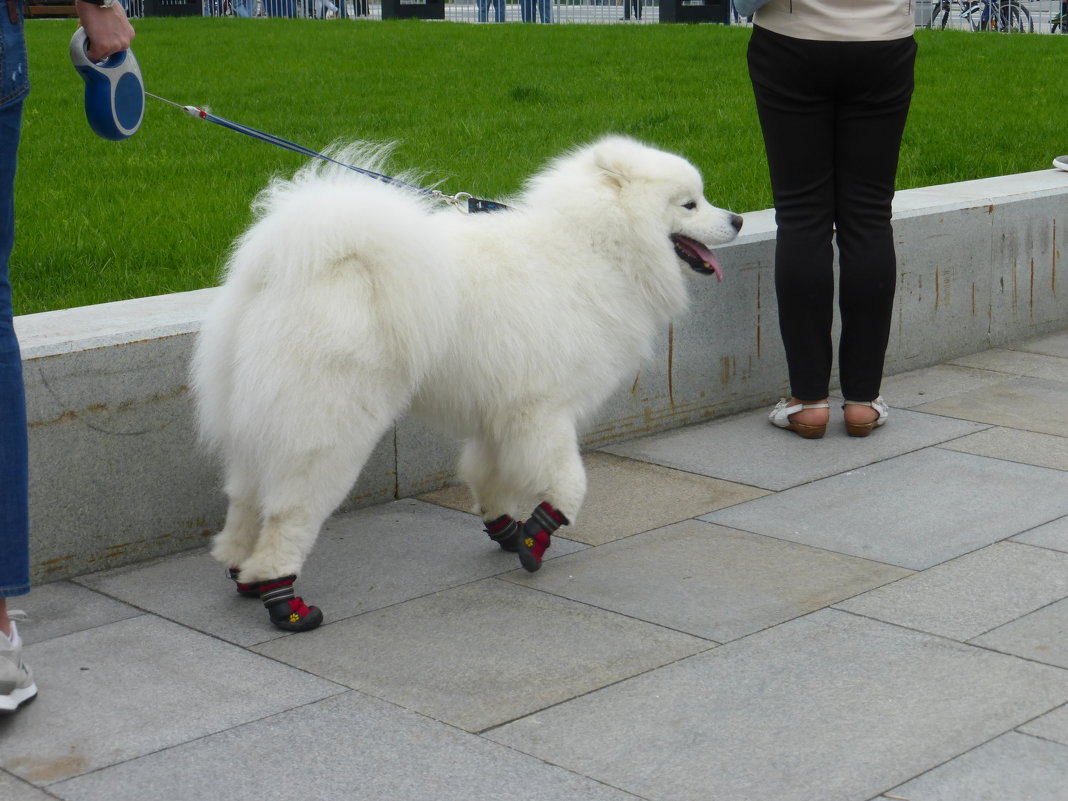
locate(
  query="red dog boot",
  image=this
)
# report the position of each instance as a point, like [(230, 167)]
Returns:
[(536, 536), (287, 610), (244, 590), (505, 532)]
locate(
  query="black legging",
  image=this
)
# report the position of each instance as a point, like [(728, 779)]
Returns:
[(832, 114)]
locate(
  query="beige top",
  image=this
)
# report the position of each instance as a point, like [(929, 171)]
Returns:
[(839, 20)]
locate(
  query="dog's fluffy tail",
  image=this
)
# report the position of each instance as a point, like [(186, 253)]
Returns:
[(337, 266)]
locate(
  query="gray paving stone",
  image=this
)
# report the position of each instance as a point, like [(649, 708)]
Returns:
[(64, 608), (973, 594), (1028, 404), (907, 390), (133, 687), (1049, 345), (627, 684), (829, 706), (1052, 535), (1043, 450), (1013, 766), (13, 789), (1052, 726), (626, 497), (747, 449), (710, 581), (363, 560), (347, 748), (479, 655), (190, 588), (1017, 362), (1041, 635), (942, 504)]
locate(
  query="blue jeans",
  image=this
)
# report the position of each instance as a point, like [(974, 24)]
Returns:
[(544, 9), (280, 8), (483, 10), (14, 459)]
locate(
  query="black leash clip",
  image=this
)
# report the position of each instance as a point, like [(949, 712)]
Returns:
[(475, 205)]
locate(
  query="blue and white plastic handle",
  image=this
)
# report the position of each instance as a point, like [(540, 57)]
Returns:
[(114, 91)]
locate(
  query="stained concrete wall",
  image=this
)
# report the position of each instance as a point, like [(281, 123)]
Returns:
[(116, 475)]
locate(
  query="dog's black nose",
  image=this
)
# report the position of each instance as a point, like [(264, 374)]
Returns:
[(736, 221)]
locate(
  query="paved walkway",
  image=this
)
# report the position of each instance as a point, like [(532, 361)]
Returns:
[(739, 614)]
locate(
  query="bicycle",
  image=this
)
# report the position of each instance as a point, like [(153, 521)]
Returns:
[(1005, 16)]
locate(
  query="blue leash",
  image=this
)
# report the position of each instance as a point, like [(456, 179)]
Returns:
[(473, 204), (115, 105)]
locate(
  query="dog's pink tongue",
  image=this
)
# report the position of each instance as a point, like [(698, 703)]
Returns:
[(707, 258), (714, 264)]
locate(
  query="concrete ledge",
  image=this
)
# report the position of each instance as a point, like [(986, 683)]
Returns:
[(116, 476)]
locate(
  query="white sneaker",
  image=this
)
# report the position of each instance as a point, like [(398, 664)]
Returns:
[(16, 678)]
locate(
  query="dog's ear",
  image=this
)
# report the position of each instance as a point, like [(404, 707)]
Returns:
[(612, 179), (614, 158)]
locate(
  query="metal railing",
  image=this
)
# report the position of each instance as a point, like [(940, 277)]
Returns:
[(576, 11), (1037, 16), (587, 11)]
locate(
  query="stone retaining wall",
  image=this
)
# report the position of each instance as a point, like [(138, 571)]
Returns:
[(116, 475)]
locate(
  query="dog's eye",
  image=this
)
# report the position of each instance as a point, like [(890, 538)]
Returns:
[(691, 205)]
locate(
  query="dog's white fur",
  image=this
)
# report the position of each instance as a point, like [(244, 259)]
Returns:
[(350, 301)]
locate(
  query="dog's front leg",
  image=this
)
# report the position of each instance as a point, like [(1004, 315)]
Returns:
[(536, 535), (545, 456)]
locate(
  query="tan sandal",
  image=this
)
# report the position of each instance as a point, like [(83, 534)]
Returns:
[(780, 416), (864, 429)]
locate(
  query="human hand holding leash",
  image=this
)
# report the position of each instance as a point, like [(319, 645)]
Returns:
[(106, 26)]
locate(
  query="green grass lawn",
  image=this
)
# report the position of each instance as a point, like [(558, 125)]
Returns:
[(475, 107)]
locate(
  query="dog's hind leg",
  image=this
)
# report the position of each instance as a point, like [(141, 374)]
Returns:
[(237, 539), (234, 544), (297, 495), (290, 527)]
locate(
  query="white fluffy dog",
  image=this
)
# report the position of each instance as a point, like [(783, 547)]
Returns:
[(351, 301)]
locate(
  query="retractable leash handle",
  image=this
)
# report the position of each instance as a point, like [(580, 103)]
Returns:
[(114, 91)]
